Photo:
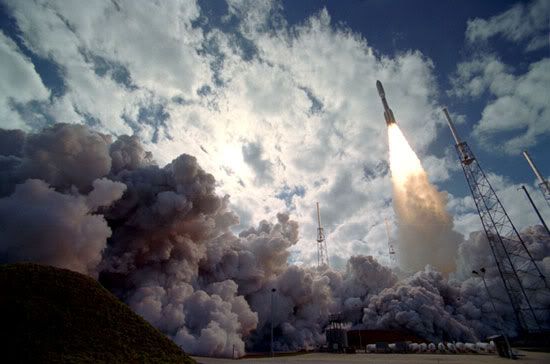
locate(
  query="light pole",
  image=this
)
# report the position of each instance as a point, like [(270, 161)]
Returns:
[(273, 290), (500, 323)]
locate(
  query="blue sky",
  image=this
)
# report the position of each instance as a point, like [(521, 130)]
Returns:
[(278, 101)]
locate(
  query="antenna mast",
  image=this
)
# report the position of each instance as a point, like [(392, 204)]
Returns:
[(391, 251), (522, 278), (322, 253)]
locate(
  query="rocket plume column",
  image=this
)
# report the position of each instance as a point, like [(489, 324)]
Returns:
[(425, 229)]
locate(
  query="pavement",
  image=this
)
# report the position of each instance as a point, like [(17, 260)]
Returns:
[(327, 358)]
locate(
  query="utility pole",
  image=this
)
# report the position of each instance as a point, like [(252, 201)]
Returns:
[(322, 252), (535, 208), (273, 290), (521, 277)]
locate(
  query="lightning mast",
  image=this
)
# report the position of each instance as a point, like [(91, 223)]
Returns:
[(520, 275), (322, 253), (543, 182), (391, 250)]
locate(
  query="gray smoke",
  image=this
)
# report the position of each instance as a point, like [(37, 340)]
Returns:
[(423, 304), (160, 238), (41, 225)]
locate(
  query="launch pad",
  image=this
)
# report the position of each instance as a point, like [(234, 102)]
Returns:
[(525, 356)]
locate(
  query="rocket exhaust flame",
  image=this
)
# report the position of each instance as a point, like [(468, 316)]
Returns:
[(425, 229), (404, 163)]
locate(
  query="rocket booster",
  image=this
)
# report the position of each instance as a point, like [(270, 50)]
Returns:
[(388, 114)]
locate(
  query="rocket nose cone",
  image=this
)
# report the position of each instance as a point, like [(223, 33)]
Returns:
[(380, 88)]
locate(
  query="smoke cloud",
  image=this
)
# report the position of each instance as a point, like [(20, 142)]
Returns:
[(41, 225), (160, 238)]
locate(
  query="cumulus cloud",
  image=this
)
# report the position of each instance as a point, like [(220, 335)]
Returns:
[(518, 106), (20, 83), (243, 87), (522, 22), (517, 109), (252, 155)]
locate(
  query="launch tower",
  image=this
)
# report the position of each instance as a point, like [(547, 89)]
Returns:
[(322, 253), (520, 275)]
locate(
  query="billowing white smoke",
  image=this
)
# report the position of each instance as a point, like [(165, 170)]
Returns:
[(424, 304), (39, 224), (53, 219), (160, 239), (458, 308)]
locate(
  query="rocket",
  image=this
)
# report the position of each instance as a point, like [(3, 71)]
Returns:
[(388, 114)]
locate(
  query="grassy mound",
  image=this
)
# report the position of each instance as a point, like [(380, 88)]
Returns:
[(52, 315)]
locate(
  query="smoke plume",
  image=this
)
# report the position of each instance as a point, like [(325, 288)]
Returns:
[(160, 238), (425, 228)]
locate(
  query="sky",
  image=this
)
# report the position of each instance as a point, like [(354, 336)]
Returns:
[(278, 100)]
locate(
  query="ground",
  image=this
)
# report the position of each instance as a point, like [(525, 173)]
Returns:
[(325, 358)]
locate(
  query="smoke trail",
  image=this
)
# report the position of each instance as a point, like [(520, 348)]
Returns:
[(425, 229)]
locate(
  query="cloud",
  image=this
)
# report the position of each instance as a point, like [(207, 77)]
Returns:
[(293, 98), (522, 108), (252, 155), (21, 83), (522, 22), (517, 107)]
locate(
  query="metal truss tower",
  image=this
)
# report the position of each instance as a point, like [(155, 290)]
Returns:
[(522, 278), (391, 250), (322, 252), (543, 183)]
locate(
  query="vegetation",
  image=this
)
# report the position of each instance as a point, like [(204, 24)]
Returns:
[(52, 315)]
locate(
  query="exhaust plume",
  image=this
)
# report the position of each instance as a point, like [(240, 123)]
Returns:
[(425, 229)]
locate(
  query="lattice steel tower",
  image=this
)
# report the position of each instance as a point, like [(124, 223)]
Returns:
[(520, 275), (322, 252)]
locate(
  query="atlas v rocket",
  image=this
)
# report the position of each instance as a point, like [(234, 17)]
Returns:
[(388, 114)]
